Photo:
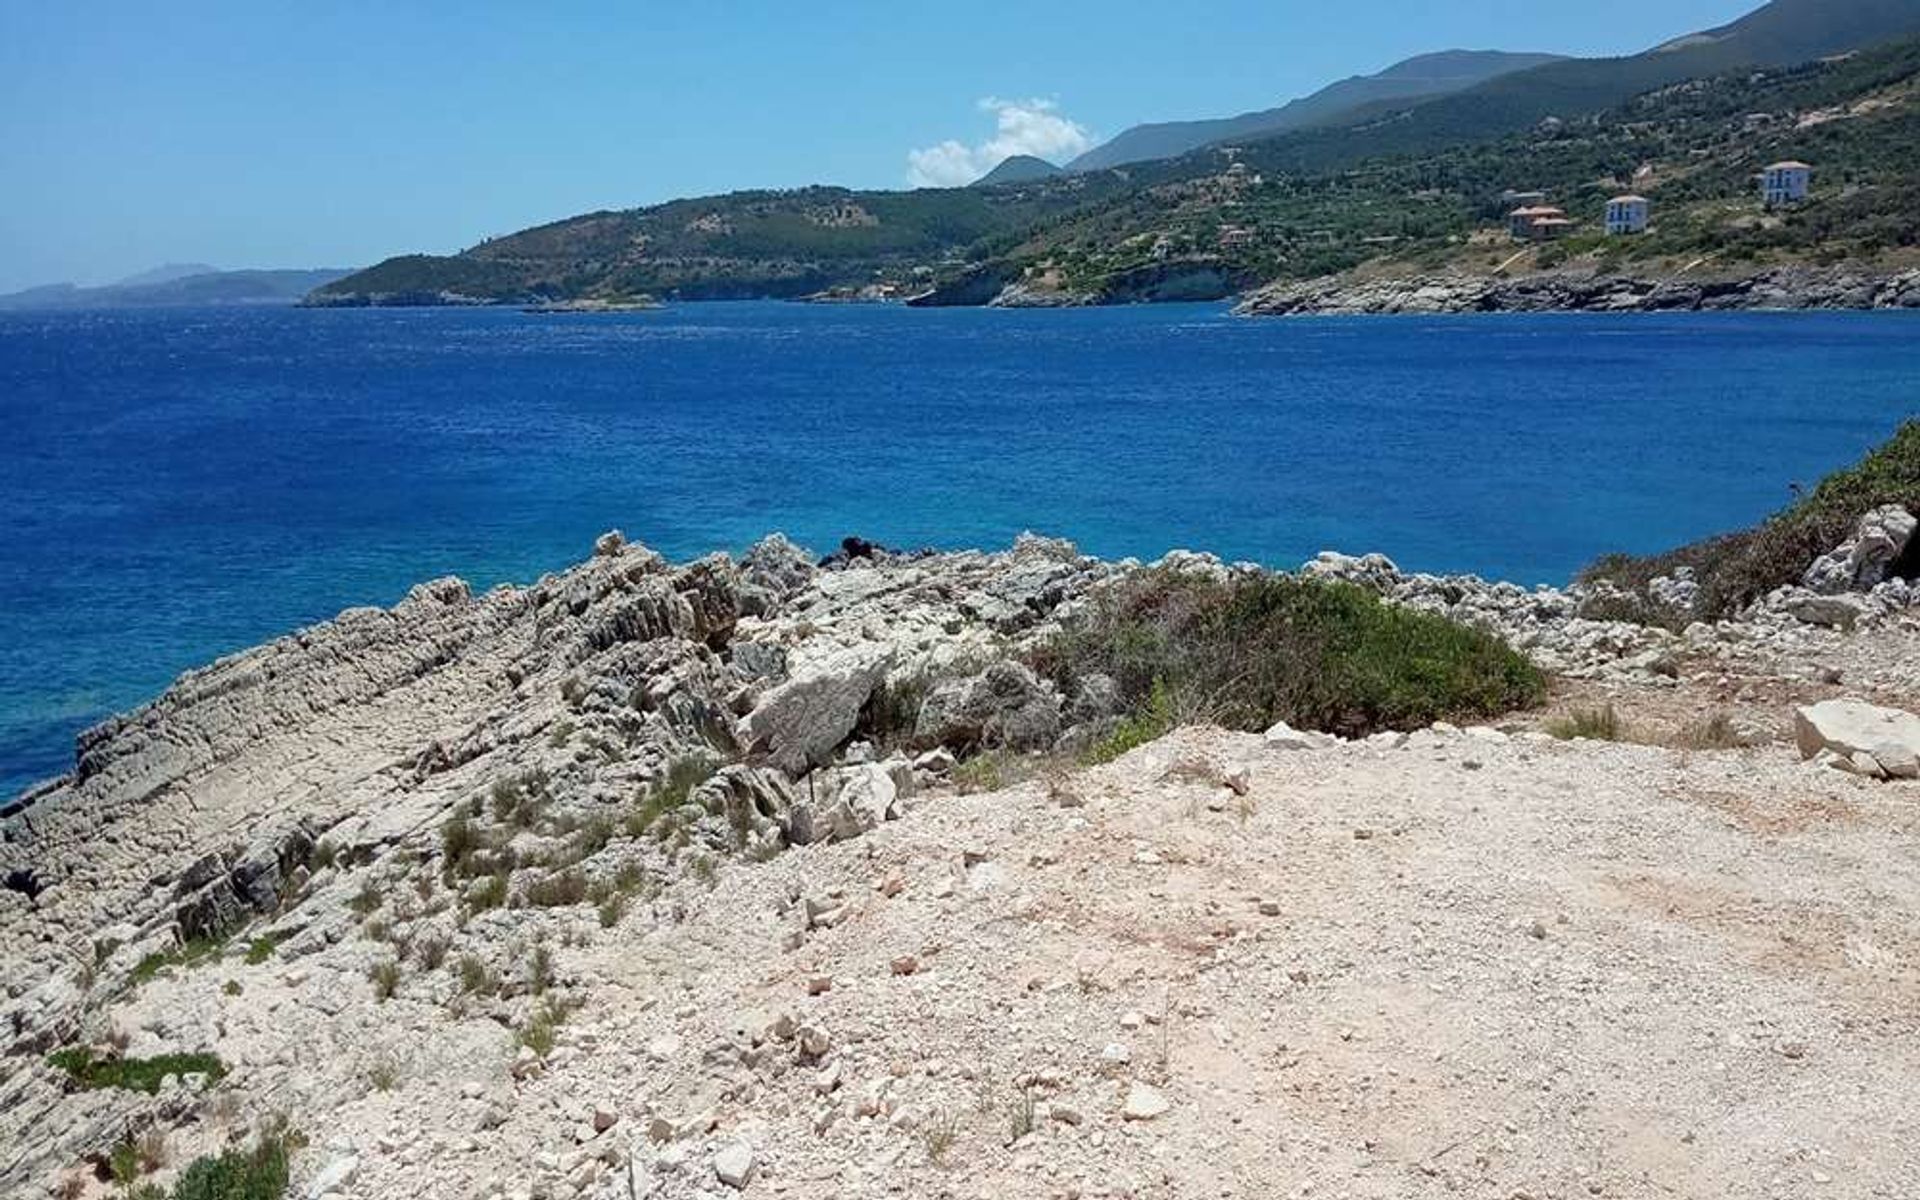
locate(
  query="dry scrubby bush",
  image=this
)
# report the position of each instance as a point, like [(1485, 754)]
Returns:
[(1736, 569), (1258, 649)]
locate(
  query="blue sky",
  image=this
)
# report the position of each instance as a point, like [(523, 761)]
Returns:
[(271, 133)]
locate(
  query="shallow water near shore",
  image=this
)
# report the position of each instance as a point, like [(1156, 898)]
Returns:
[(178, 485)]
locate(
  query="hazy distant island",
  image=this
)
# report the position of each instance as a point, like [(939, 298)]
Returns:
[(179, 285), (1770, 162)]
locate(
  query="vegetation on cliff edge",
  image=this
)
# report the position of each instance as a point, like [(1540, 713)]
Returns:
[(1736, 569)]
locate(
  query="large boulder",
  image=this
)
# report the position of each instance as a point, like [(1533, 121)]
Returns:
[(1863, 561), (1004, 706), (797, 724), (1863, 738)]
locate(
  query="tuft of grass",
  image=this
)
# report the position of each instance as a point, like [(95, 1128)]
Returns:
[(490, 892), (1595, 724), (367, 898), (1021, 1119), (1712, 732), (260, 949), (1257, 649), (670, 791), (325, 854), (232, 987), (384, 1075), (540, 974), (475, 978), (559, 890), (385, 976), (612, 909), (540, 1031), (938, 1135), (430, 951), (88, 1073)]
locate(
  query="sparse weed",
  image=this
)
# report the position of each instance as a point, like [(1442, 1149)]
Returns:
[(1595, 724), (475, 978), (368, 898), (385, 976), (938, 1134), (384, 1075), (1021, 1118)]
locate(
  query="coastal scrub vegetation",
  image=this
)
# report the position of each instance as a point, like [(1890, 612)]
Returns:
[(1736, 569), (257, 1172), (89, 1072), (1251, 651)]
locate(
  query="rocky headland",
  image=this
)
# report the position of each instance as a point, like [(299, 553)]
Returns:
[(1794, 288), (792, 876)]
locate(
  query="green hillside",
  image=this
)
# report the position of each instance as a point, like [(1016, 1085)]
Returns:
[(1692, 148), (1418, 183)]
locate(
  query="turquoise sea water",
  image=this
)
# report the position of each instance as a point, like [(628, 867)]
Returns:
[(178, 485)]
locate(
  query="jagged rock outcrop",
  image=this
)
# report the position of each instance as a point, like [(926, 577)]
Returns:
[(474, 773), (1005, 706), (1864, 561), (1571, 291)]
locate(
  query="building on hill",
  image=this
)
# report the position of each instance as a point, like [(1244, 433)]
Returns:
[(1523, 199), (1786, 183), (1628, 215), (1538, 223)]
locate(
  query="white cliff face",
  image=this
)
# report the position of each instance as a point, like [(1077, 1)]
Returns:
[(308, 793)]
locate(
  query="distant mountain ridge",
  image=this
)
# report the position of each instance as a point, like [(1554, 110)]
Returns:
[(165, 287), (1423, 76)]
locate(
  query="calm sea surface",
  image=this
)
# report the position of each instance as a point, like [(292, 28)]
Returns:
[(174, 485)]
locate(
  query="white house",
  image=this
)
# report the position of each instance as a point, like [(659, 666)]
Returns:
[(1627, 214), (1786, 183)]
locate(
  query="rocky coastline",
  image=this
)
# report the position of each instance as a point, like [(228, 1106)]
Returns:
[(1784, 288), (336, 807)]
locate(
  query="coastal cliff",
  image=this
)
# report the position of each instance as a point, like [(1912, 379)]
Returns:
[(1800, 288), (652, 876)]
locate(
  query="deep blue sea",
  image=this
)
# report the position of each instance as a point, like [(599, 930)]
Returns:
[(174, 486)]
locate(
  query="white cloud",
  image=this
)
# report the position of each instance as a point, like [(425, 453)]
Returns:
[(1021, 127)]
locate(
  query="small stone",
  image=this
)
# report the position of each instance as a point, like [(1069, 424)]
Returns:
[(604, 1120), (734, 1164), (891, 884), (1144, 1103), (1363, 834), (819, 985), (1132, 1020), (1116, 1054), (1269, 908), (906, 964)]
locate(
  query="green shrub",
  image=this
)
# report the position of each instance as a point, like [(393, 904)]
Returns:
[(1266, 648), (258, 1173), (1736, 569), (132, 1074), (1156, 718), (670, 791), (191, 953), (260, 949)]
